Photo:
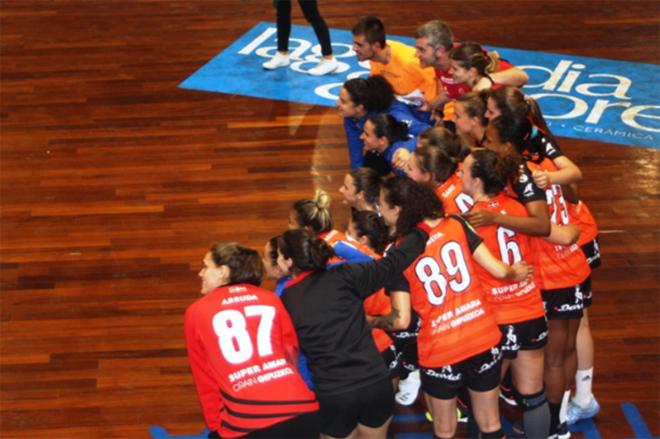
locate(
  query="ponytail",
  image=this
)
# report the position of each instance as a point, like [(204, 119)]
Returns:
[(307, 252)]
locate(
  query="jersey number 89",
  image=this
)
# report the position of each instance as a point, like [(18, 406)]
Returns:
[(435, 283), (233, 337)]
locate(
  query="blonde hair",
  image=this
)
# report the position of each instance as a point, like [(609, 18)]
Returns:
[(314, 213)]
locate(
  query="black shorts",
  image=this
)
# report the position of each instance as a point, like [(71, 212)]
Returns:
[(370, 406), (591, 251), (523, 336), (392, 360), (567, 303), (480, 372), (306, 426)]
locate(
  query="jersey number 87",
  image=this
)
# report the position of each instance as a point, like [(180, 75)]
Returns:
[(233, 337)]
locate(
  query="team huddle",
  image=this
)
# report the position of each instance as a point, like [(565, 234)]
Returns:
[(464, 271)]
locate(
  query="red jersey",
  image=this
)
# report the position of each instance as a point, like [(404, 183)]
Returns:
[(584, 220), (240, 339), (512, 302), (454, 90), (558, 266), (447, 295), (451, 194)]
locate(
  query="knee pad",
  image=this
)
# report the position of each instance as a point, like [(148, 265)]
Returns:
[(530, 402)]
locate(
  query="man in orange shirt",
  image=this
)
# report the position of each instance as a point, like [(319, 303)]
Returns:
[(393, 60)]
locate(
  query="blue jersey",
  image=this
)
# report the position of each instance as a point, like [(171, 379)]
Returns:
[(415, 120), (409, 144)]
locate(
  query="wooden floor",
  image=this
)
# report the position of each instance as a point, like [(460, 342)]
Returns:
[(114, 182)]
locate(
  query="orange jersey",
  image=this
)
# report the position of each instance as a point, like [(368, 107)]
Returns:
[(447, 295), (584, 220), (451, 194), (378, 304), (558, 266), (331, 237), (512, 302), (404, 72)]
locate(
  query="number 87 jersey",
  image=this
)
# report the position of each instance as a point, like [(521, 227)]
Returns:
[(447, 295)]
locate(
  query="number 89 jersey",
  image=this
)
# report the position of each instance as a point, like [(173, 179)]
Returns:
[(239, 338), (447, 295)]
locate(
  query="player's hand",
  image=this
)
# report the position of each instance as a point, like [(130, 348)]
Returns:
[(522, 271), (541, 178), (479, 217), (483, 84), (400, 159)]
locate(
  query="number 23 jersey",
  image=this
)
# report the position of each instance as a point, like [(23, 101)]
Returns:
[(447, 295)]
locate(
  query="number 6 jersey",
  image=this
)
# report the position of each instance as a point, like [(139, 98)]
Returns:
[(239, 341)]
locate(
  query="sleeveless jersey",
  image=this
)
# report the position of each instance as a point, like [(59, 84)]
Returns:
[(512, 302), (447, 296), (451, 194), (239, 339), (558, 266)]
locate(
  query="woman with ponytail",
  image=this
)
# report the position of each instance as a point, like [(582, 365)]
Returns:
[(362, 98), (563, 272), (517, 306), (435, 162), (326, 306), (385, 135), (470, 64), (458, 343)]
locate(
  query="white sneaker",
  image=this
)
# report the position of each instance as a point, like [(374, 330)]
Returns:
[(279, 60), (324, 67), (408, 389)]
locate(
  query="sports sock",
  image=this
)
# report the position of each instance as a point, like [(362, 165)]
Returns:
[(583, 381)]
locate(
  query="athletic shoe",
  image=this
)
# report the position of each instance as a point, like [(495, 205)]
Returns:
[(279, 60), (460, 416), (576, 413), (507, 395), (324, 67), (408, 389), (561, 432)]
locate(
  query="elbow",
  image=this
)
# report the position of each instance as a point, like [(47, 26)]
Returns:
[(524, 78), (401, 324), (544, 229)]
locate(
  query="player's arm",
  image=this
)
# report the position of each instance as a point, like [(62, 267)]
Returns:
[(536, 224), (498, 269), (207, 389), (512, 76), (563, 235), (399, 317), (567, 173)]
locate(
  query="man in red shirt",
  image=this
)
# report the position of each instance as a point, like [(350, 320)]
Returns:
[(433, 42)]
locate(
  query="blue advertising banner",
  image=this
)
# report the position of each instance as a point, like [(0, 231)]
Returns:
[(581, 97)]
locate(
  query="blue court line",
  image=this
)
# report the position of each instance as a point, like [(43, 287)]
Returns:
[(158, 432), (426, 435), (636, 421), (403, 419), (587, 427)]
